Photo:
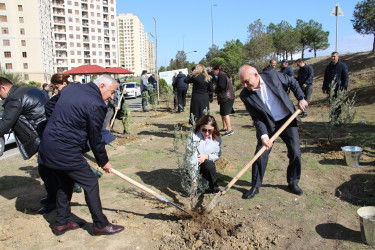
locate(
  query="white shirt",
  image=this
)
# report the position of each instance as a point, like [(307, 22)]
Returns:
[(277, 108)]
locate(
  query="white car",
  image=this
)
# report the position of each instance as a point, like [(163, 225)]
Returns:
[(133, 89), (5, 140)]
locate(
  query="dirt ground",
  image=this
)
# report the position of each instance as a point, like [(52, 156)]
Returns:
[(323, 217)]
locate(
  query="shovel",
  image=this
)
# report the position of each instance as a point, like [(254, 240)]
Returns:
[(260, 152), (114, 116), (139, 185)]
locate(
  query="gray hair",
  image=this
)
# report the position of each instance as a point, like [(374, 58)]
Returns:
[(252, 69), (106, 79)]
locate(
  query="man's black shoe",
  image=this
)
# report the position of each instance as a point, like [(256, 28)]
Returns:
[(250, 194), (47, 208), (295, 189)]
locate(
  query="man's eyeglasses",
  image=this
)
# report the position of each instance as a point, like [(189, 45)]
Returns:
[(210, 131)]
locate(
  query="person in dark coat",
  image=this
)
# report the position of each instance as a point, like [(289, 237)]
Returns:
[(182, 89), (225, 98), (336, 70), (24, 113), (305, 79), (272, 65), (202, 85), (270, 106), (286, 69), (76, 116), (45, 90)]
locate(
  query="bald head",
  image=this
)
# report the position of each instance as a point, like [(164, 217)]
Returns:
[(249, 77)]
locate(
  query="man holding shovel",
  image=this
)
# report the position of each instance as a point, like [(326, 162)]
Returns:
[(269, 107), (78, 114)]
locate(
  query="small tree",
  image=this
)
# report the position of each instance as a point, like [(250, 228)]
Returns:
[(341, 108), (364, 19), (126, 119)]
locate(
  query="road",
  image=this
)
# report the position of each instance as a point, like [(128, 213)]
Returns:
[(12, 150)]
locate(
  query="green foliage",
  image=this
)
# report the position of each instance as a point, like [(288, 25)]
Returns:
[(164, 87), (126, 119), (211, 54), (285, 38), (191, 181), (341, 109), (162, 69), (15, 78), (364, 19), (35, 84), (179, 62), (312, 36), (259, 47)]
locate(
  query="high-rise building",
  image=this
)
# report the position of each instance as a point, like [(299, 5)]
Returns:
[(136, 53), (26, 39), (84, 33)]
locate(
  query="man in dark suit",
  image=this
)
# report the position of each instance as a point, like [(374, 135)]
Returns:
[(77, 119), (269, 107)]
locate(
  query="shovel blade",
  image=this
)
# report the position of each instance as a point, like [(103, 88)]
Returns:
[(214, 201)]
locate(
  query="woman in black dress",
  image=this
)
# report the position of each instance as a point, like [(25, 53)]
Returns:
[(225, 98), (202, 85)]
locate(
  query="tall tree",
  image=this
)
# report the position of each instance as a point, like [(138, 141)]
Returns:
[(259, 47), (303, 29), (364, 19), (285, 38), (212, 53), (233, 56)]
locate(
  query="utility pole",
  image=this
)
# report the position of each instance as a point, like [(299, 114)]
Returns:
[(212, 24), (337, 11), (156, 59)]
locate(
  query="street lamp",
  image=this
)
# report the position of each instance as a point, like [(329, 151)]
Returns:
[(156, 59), (190, 52), (212, 22)]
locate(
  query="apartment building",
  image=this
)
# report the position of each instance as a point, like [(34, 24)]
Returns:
[(136, 53), (84, 33), (26, 39)]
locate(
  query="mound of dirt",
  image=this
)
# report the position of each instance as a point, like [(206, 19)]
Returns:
[(224, 165)]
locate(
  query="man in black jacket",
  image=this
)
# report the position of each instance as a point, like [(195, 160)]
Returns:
[(305, 79), (24, 113), (338, 71), (270, 106), (182, 89), (77, 119)]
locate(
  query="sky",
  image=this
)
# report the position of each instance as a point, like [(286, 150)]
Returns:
[(187, 26)]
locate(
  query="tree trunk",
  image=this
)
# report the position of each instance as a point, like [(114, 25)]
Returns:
[(302, 53), (314, 52), (373, 45)]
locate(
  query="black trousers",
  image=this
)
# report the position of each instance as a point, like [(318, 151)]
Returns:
[(50, 182), (88, 181), (208, 171), (291, 138), (181, 96)]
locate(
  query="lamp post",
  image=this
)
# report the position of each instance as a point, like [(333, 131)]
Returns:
[(156, 59), (212, 23), (190, 52)]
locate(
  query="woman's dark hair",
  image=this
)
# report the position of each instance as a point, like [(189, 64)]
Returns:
[(220, 68), (208, 120), (59, 78)]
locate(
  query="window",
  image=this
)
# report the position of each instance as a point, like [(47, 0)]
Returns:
[(26, 76), (78, 44), (71, 36), (23, 42), (70, 27), (24, 54), (2, 6), (25, 66), (71, 44), (8, 66), (78, 36), (75, 3), (78, 52), (6, 42), (7, 54), (70, 11), (22, 31), (20, 8), (76, 12), (72, 52), (3, 19), (73, 61), (78, 28), (4, 31)]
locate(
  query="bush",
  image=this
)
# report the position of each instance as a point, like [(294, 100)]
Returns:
[(15, 78), (164, 88)]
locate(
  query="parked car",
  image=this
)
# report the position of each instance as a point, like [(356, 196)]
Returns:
[(7, 138), (133, 89)]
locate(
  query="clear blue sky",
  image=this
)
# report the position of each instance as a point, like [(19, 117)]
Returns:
[(186, 25)]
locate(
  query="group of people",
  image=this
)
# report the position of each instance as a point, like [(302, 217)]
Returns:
[(204, 85), (69, 124), (266, 98), (61, 130)]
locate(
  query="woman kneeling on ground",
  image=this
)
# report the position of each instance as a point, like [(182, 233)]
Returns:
[(205, 145)]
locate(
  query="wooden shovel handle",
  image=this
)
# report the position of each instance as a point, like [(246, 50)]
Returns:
[(118, 107), (260, 152)]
